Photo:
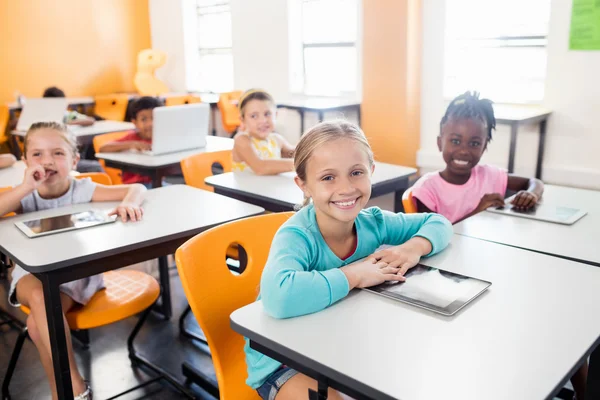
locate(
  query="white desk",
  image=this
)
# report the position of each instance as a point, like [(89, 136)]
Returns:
[(320, 105), (13, 175), (519, 340), (172, 215), (72, 101), (280, 192), (85, 134), (576, 242), (161, 165), (517, 115)]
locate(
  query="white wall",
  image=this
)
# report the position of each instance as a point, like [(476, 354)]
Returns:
[(572, 92)]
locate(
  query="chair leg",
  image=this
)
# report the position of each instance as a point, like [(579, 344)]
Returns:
[(83, 336), (13, 363), (138, 359), (185, 332)]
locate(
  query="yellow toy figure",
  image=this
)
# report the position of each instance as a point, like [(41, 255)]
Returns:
[(145, 82)]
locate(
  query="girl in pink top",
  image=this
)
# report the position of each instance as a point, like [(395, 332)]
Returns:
[(465, 188)]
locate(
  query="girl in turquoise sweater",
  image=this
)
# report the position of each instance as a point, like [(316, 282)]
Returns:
[(311, 262)]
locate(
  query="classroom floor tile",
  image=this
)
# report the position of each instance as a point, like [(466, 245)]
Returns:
[(106, 363)]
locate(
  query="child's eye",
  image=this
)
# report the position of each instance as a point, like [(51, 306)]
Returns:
[(327, 178), (268, 114), (36, 154), (475, 144), (357, 173), (455, 141), (60, 153)]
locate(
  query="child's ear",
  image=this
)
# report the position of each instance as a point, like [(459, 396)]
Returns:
[(302, 186), (439, 142), (75, 161)]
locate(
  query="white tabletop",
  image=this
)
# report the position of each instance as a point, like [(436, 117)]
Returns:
[(506, 113), (578, 241), (98, 128), (519, 340), (13, 175), (282, 187), (72, 101), (318, 103), (169, 212), (137, 159)]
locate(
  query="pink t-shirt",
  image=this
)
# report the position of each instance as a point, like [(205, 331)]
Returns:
[(456, 201)]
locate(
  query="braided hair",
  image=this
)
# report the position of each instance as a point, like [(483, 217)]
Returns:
[(469, 106)]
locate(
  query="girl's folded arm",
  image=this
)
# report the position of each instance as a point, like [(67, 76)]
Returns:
[(288, 288)]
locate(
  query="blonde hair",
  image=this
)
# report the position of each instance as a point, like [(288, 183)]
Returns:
[(57, 126), (322, 133), (253, 94)]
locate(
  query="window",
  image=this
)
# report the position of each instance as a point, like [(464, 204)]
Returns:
[(323, 36), (497, 48), (215, 65)]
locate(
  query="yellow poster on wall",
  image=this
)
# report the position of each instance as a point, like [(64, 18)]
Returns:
[(585, 25)]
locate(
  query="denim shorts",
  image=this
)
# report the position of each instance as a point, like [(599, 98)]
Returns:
[(273, 384)]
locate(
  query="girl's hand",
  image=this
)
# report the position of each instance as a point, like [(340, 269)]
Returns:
[(126, 210), (524, 200), (404, 256), (370, 272), (34, 176), (140, 146), (490, 200)]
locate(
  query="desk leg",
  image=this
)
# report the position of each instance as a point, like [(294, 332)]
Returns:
[(165, 284), (320, 116), (359, 116), (592, 389), (398, 207), (58, 340), (540, 155), (156, 179), (301, 112), (513, 147), (321, 394), (213, 109)]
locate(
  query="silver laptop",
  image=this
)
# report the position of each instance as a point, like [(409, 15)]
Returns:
[(543, 212), (178, 128), (42, 110)]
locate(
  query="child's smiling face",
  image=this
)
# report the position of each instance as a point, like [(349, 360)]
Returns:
[(462, 143)]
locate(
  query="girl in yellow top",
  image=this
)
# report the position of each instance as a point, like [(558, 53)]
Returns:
[(256, 148)]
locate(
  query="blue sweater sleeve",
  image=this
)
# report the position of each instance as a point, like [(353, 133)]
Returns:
[(288, 287), (401, 227)]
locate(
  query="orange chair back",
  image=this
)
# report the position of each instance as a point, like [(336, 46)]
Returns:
[(179, 100), (4, 117), (198, 167), (228, 107), (97, 177), (111, 106), (408, 202), (214, 292), (99, 141)]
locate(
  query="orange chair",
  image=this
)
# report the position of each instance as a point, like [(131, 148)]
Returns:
[(179, 100), (4, 117), (408, 202), (100, 140), (5, 189), (127, 293), (111, 106), (228, 107), (214, 293), (97, 177), (198, 167)]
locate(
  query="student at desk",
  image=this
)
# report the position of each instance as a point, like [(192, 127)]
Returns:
[(465, 187), (312, 265), (257, 148), (50, 155), (140, 139), (72, 117)]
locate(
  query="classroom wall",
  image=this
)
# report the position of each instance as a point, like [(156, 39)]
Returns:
[(391, 78), (573, 137), (84, 47)]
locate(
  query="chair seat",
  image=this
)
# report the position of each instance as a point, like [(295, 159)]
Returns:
[(127, 293)]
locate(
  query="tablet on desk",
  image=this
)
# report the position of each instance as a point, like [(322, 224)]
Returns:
[(433, 289), (62, 223), (542, 212)]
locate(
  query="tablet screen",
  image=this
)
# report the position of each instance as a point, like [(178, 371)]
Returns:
[(42, 226), (435, 289)]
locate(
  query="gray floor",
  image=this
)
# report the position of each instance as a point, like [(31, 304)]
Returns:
[(106, 363)]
